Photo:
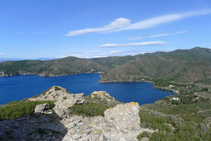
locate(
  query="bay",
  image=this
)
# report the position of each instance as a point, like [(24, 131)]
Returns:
[(20, 87)]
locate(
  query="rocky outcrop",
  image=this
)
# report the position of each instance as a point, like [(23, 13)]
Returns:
[(41, 108), (63, 100), (102, 95), (125, 118), (54, 93), (120, 123)]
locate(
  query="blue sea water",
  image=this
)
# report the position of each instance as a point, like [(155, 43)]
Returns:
[(20, 87)]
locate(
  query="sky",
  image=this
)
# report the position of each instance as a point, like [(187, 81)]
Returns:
[(34, 29)]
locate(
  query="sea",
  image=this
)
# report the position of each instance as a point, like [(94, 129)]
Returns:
[(20, 87)]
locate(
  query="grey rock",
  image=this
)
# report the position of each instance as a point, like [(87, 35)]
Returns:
[(79, 98), (145, 139), (120, 123), (102, 95), (41, 108)]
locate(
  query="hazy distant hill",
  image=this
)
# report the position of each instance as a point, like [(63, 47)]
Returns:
[(19, 59), (190, 66), (69, 65)]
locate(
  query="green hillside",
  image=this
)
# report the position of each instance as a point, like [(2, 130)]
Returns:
[(181, 66), (64, 66)]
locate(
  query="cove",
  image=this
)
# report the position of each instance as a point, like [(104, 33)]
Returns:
[(20, 87)]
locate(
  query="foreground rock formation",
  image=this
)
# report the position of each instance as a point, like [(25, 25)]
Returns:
[(63, 100), (120, 123)]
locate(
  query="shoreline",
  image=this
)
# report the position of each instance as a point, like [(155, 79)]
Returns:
[(42, 75), (115, 81), (153, 83)]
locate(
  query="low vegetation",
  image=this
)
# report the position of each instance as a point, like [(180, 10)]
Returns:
[(18, 109), (89, 109), (97, 100), (57, 88), (171, 128)]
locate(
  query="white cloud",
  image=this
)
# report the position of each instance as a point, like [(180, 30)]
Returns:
[(180, 32), (167, 34), (125, 24), (149, 23), (155, 43), (115, 51), (1, 54), (98, 56), (135, 38), (131, 52), (115, 25), (158, 35)]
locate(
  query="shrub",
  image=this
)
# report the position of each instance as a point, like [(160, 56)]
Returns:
[(17, 109), (205, 89), (90, 109), (154, 121), (171, 128), (57, 88)]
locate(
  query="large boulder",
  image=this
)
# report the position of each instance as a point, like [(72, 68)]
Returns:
[(63, 100), (41, 108), (124, 116), (102, 95), (54, 93), (125, 122), (121, 123)]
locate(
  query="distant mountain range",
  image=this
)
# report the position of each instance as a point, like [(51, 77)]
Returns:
[(182, 66), (19, 59)]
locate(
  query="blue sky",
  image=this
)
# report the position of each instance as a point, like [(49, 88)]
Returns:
[(96, 28)]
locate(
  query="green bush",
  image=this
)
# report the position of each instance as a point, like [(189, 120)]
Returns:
[(154, 121), (57, 88), (17, 109), (171, 128), (90, 109), (205, 90)]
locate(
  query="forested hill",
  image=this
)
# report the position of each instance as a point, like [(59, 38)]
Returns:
[(185, 66), (64, 66)]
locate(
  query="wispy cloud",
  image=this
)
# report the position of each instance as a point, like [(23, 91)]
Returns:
[(1, 54), (167, 34), (115, 51), (125, 24), (152, 43), (135, 38), (114, 25), (181, 32), (157, 35), (97, 56), (123, 53)]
